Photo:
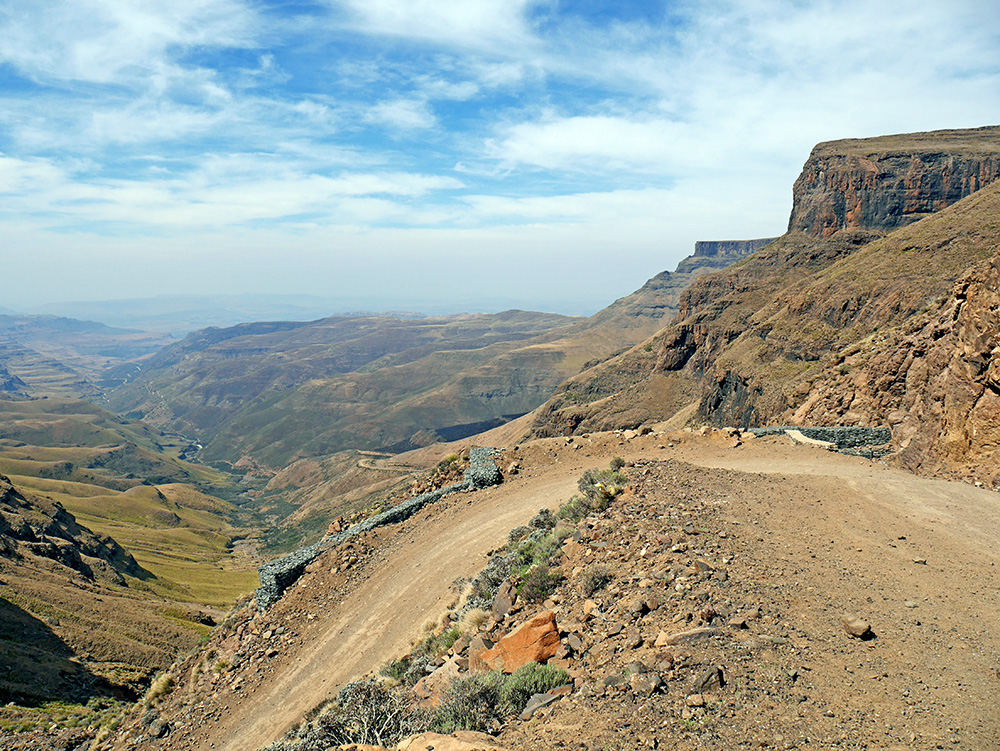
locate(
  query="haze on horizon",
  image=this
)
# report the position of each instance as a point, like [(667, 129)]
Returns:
[(412, 154)]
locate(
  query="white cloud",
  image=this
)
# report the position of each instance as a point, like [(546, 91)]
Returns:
[(403, 114), (104, 41), (20, 176), (477, 24), (600, 142)]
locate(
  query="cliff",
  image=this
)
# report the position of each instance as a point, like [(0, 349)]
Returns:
[(774, 339), (889, 182)]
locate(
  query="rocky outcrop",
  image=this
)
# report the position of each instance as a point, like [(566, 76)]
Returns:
[(43, 528), (10, 383), (885, 183), (536, 640), (724, 251), (937, 382)]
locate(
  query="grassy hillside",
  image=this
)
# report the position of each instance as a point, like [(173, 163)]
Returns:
[(99, 631), (124, 479)]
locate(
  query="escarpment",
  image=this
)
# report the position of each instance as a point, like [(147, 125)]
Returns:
[(889, 182), (780, 337)]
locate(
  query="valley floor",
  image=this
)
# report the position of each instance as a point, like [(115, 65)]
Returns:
[(808, 536)]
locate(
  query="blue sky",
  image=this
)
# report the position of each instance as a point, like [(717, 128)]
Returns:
[(459, 155)]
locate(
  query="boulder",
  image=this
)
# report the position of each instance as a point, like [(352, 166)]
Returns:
[(689, 637), (479, 646), (504, 600), (534, 641), (857, 627), (431, 689)]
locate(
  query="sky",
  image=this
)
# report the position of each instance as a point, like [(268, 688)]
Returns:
[(442, 155)]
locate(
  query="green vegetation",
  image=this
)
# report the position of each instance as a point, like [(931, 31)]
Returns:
[(481, 701), (370, 712), (98, 712)]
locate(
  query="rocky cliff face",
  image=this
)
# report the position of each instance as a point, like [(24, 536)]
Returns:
[(936, 382), (725, 251), (885, 183), (818, 327)]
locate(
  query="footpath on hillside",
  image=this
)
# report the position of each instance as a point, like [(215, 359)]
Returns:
[(806, 536)]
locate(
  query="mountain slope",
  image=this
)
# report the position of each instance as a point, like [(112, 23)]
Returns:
[(279, 392), (55, 356), (750, 341)]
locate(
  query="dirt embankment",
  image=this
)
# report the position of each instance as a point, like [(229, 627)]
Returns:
[(806, 537)]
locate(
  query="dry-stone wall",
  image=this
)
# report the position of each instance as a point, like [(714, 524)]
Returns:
[(278, 575), (858, 441)]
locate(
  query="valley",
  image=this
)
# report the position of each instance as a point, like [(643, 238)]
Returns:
[(707, 598)]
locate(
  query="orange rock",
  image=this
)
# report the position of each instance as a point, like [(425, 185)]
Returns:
[(535, 641)]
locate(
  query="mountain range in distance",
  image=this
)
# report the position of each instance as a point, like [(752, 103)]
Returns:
[(179, 315)]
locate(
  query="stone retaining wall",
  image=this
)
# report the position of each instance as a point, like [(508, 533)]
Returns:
[(278, 575), (849, 439)]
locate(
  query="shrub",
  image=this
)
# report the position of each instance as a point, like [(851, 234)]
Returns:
[(575, 509), (473, 619), (484, 587), (594, 577), (530, 679), (539, 549), (543, 520), (162, 685), (480, 702), (537, 583), (601, 486), (617, 463), (364, 712), (472, 703)]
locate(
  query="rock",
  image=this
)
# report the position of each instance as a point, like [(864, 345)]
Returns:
[(479, 645), (431, 689), (536, 702), (690, 637), (464, 740), (591, 609), (159, 728), (633, 639), (879, 190), (504, 600), (695, 700), (857, 627), (635, 607), (534, 641), (646, 684), (711, 678), (635, 668), (575, 643), (461, 644)]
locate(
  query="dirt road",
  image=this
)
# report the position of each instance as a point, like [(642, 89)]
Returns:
[(917, 556)]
